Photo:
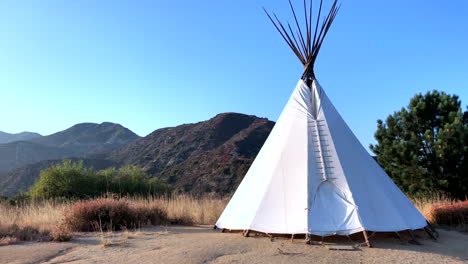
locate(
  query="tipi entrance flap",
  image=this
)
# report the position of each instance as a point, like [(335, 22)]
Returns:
[(331, 213)]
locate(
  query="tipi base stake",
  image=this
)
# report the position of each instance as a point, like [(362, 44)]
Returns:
[(413, 238), (349, 238), (430, 233), (246, 233), (292, 238), (366, 238), (399, 236), (270, 236), (223, 230), (431, 228)]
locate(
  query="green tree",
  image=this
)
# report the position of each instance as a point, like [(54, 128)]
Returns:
[(424, 147), (68, 179), (105, 180), (130, 180), (158, 186)]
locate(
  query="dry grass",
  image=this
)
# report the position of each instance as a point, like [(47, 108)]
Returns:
[(186, 209), (35, 221), (426, 203), (444, 211), (8, 240), (41, 215), (46, 216)]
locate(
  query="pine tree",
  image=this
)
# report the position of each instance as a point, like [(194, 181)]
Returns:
[(424, 147)]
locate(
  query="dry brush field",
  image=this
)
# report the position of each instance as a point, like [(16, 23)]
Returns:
[(38, 219)]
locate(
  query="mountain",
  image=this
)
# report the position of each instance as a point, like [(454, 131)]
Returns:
[(78, 141), (7, 137), (205, 157), (89, 138), (21, 179), (19, 153), (209, 156)]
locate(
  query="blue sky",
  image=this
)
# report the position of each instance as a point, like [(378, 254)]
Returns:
[(152, 64)]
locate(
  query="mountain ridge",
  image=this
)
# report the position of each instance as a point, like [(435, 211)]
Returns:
[(79, 140), (11, 137)]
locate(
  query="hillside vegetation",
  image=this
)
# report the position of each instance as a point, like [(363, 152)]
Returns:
[(71, 180), (205, 157)]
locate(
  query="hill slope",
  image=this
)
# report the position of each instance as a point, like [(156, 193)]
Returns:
[(209, 156)]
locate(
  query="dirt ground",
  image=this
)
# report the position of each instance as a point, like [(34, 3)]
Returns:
[(181, 244)]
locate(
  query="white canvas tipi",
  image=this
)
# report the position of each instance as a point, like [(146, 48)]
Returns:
[(312, 175)]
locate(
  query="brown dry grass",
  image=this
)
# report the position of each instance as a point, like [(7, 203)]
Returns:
[(203, 211), (425, 204), (46, 216), (41, 215), (183, 209), (442, 210)]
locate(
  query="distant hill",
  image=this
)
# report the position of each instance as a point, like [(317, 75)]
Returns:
[(209, 156), (19, 153), (89, 138), (205, 157), (7, 137), (78, 141)]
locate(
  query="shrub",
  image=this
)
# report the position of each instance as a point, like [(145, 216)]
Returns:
[(149, 214), (68, 179), (61, 233), (455, 214), (72, 180), (100, 213), (108, 214)]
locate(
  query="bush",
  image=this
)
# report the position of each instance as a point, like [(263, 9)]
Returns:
[(108, 214), (68, 179), (149, 215), (61, 233), (455, 214), (72, 180)]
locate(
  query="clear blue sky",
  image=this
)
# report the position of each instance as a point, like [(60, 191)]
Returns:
[(152, 64)]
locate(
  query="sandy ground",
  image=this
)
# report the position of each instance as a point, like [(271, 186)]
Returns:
[(178, 244)]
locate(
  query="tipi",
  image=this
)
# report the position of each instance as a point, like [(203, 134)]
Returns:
[(312, 175)]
